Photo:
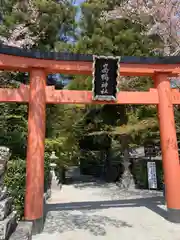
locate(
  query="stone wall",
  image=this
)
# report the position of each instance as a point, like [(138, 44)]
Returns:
[(8, 220)]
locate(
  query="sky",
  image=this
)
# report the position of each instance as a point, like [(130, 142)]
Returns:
[(78, 2)]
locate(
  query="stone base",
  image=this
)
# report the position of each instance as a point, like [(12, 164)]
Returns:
[(23, 231), (127, 181), (8, 226), (37, 226), (3, 193), (173, 215), (47, 195)]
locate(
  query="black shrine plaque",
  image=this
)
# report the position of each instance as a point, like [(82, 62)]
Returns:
[(105, 74)]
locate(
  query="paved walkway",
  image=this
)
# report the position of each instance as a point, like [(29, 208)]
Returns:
[(96, 211)]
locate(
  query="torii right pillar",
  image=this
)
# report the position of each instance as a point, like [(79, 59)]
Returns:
[(169, 147)]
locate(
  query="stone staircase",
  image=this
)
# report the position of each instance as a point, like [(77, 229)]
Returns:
[(8, 220), (10, 228)]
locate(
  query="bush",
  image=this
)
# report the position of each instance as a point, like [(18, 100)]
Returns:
[(47, 168), (53, 145), (15, 181)]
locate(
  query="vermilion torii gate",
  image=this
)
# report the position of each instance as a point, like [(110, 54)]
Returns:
[(37, 95)]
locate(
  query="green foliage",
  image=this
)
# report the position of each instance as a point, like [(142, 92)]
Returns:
[(81, 83), (117, 37), (36, 15), (47, 168), (13, 127), (46, 33), (15, 181), (53, 144), (139, 171)]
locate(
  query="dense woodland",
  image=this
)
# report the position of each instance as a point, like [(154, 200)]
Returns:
[(78, 133)]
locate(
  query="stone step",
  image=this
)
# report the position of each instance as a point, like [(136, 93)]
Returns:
[(3, 193), (7, 226), (5, 207), (47, 195), (22, 232)]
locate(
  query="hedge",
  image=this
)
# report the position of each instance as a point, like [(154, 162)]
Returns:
[(15, 181)]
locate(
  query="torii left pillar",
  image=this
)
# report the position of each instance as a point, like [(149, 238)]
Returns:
[(34, 202)]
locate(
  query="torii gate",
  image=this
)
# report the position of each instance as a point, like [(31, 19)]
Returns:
[(39, 65)]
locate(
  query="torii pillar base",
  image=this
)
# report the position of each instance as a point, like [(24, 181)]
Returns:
[(169, 147)]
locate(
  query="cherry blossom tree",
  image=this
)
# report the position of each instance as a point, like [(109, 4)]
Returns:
[(160, 18), (30, 23), (20, 35)]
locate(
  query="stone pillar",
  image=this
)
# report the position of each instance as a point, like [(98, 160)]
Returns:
[(53, 165), (169, 147), (35, 147)]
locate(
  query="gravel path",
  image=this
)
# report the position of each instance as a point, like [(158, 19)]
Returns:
[(95, 211)]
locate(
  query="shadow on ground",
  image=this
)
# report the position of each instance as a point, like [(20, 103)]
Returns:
[(93, 183), (114, 191), (69, 221), (64, 217)]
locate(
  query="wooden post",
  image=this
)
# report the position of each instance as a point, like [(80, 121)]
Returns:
[(169, 147), (35, 148)]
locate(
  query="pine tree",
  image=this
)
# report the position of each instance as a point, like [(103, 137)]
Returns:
[(30, 24), (119, 37), (36, 23)]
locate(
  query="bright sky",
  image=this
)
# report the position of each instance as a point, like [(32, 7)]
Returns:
[(79, 2)]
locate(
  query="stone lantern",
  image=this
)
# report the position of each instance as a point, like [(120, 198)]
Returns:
[(127, 181), (53, 158)]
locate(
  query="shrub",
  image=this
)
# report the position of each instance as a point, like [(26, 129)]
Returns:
[(47, 176), (15, 181)]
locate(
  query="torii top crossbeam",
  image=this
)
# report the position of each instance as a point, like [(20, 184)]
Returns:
[(15, 59), (12, 58)]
